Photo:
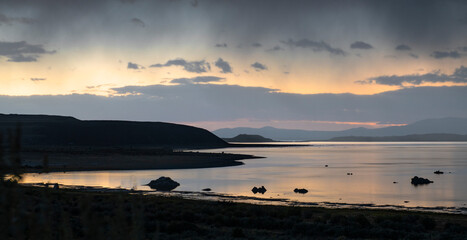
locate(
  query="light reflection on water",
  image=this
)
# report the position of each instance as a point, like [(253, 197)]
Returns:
[(375, 166)]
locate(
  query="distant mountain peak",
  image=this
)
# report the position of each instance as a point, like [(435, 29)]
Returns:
[(446, 125)]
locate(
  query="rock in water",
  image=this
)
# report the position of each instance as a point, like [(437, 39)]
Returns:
[(206, 189), (300, 190), (438, 172), (261, 190), (163, 184), (419, 180)]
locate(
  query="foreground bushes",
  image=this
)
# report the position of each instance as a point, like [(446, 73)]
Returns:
[(45, 213)]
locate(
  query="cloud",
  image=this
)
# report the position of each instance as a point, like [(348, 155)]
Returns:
[(315, 46), (38, 79), (196, 80), (441, 55), (128, 1), (258, 66), (22, 58), (223, 65), (134, 66), (274, 49), (429, 24), (219, 102), (10, 20), (22, 51), (138, 22), (403, 47), (193, 66), (460, 73), (256, 45), (458, 76), (413, 55), (221, 45), (361, 45)]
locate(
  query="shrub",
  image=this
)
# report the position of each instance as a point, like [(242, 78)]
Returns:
[(428, 223)]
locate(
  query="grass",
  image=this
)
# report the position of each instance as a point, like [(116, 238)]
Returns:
[(46, 213)]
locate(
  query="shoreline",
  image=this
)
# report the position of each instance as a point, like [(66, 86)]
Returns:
[(213, 196), (101, 159), (82, 215)]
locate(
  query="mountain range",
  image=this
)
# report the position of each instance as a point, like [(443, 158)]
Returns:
[(429, 126)]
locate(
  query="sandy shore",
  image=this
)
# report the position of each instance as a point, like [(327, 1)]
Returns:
[(90, 159)]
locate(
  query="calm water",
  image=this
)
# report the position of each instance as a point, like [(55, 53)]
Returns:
[(374, 168)]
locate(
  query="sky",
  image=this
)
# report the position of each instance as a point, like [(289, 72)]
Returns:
[(317, 65)]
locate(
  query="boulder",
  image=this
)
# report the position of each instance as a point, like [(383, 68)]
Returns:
[(261, 190), (163, 184), (300, 190), (419, 180)]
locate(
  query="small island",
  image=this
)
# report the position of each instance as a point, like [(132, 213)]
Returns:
[(248, 138)]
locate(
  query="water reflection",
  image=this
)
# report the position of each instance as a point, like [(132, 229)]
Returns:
[(375, 168)]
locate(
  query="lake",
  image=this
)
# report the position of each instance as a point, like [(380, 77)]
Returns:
[(359, 174)]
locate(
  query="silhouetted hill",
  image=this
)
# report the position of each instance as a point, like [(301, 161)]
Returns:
[(429, 126), (406, 138), (248, 138), (42, 130), (26, 118)]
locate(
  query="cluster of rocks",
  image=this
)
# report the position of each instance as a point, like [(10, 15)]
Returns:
[(167, 184), (419, 181), (261, 190)]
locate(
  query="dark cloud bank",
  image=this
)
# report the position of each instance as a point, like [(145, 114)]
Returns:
[(189, 102), (441, 55), (458, 76), (429, 24)]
